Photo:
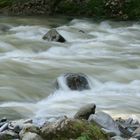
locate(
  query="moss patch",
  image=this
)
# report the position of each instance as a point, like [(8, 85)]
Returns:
[(75, 129)]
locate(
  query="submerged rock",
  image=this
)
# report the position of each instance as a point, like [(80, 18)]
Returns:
[(66, 129), (106, 122), (85, 111), (53, 35), (4, 28), (75, 81)]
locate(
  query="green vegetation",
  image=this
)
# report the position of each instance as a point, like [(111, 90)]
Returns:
[(5, 3), (90, 8), (75, 129), (132, 8), (125, 9)]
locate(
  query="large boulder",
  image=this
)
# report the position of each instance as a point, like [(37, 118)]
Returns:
[(85, 111), (53, 35), (66, 129), (106, 122), (75, 81)]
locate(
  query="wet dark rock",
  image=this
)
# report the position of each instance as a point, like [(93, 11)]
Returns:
[(77, 81), (3, 119), (85, 111), (4, 28), (53, 35), (81, 31), (106, 122)]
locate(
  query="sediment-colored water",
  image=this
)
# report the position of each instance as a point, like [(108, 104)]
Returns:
[(108, 52)]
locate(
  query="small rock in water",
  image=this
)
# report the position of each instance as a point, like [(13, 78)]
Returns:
[(81, 31), (3, 119), (4, 28), (105, 121), (75, 81), (53, 35), (85, 111)]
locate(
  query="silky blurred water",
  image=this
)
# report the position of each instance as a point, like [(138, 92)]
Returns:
[(107, 52)]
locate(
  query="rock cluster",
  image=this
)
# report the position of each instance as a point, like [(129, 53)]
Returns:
[(86, 125)]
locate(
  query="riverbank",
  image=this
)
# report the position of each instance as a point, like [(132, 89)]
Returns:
[(87, 124), (119, 10)]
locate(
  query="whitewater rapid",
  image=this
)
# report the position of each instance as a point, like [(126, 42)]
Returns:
[(107, 52)]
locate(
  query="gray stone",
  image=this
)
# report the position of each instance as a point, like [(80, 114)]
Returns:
[(85, 111), (31, 136), (29, 128), (128, 126), (136, 133), (4, 127), (19, 124), (8, 135), (106, 122), (53, 35), (117, 138)]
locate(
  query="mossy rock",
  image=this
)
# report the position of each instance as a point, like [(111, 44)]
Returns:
[(72, 129)]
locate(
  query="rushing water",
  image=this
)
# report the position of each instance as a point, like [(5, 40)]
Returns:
[(108, 52)]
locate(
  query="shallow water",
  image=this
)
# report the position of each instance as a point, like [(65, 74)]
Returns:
[(108, 52)]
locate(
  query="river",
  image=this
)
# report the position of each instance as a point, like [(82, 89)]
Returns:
[(108, 52)]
